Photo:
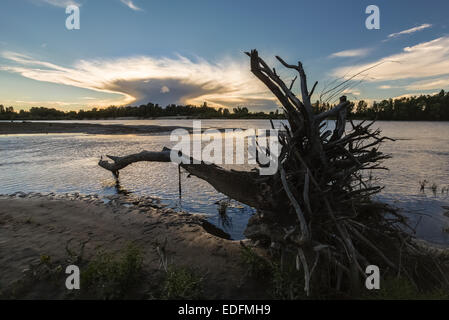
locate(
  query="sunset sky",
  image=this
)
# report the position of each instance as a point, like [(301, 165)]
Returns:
[(188, 52)]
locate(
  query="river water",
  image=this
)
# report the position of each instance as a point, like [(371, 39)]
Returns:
[(66, 163)]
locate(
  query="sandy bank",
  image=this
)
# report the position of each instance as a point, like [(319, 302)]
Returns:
[(19, 127), (33, 225)]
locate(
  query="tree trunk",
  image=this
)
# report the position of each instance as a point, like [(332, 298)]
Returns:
[(239, 185)]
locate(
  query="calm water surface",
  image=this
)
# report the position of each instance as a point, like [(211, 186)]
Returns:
[(68, 163)]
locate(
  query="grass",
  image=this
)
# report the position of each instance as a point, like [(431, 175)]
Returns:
[(41, 277), (257, 266), (121, 276), (45, 259), (181, 283), (402, 289), (113, 276), (287, 283), (106, 276), (283, 283)]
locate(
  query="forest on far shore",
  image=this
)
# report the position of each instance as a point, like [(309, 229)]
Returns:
[(424, 107)]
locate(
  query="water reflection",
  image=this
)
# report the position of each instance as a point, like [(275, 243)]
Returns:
[(117, 186)]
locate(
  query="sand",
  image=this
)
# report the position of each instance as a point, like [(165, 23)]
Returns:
[(19, 127), (33, 225)]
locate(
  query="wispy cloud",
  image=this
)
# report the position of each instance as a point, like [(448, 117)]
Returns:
[(141, 79), (430, 84), (130, 4), (351, 53), (351, 92), (48, 102), (416, 94), (427, 59), (409, 31)]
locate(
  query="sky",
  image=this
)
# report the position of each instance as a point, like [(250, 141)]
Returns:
[(131, 52)]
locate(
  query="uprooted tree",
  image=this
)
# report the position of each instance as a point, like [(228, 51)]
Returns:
[(317, 207)]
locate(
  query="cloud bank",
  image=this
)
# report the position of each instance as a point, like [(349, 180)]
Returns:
[(439, 83), (141, 79), (427, 59)]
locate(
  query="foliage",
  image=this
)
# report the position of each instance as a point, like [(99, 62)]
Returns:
[(399, 288), (181, 283), (144, 111), (287, 283), (112, 276), (258, 267), (416, 108)]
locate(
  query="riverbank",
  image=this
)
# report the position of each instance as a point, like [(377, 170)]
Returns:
[(38, 230), (25, 127)]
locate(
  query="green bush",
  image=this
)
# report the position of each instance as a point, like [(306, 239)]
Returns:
[(258, 267), (403, 289), (181, 283), (110, 276)]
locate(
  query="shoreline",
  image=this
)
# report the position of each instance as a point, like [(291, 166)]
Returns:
[(12, 128), (34, 225), (39, 233)]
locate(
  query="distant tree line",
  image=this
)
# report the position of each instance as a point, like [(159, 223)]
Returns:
[(424, 107), (147, 111)]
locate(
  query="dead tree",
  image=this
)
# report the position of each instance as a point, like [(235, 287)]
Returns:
[(317, 207)]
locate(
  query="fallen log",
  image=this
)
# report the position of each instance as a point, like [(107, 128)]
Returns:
[(317, 207), (239, 185)]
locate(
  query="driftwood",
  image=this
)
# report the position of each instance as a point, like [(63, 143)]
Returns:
[(317, 206), (239, 185)]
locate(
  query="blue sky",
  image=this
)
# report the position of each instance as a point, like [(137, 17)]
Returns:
[(134, 52)]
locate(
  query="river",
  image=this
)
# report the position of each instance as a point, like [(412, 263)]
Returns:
[(66, 163)]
